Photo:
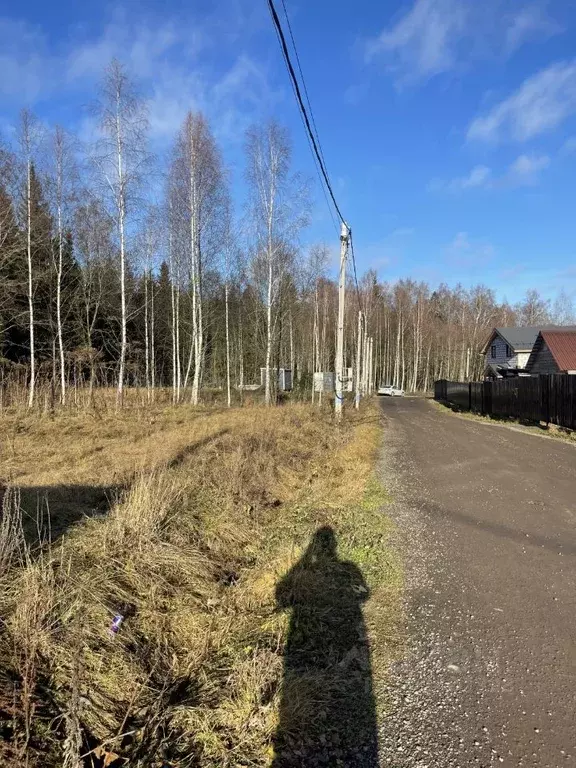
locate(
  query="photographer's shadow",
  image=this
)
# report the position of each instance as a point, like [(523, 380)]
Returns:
[(327, 709)]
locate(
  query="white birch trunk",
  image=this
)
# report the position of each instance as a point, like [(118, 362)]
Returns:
[(228, 387), (121, 203), (197, 335), (146, 337), (173, 317), (396, 381), (30, 283), (174, 358), (152, 341), (240, 355), (292, 349), (60, 266), (267, 392), (178, 361)]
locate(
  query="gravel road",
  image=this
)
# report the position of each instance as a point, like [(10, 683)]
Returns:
[(486, 516)]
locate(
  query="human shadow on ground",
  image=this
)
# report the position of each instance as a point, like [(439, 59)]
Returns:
[(327, 708)]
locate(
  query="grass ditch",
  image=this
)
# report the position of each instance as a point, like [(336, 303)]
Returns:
[(247, 552), (540, 429)]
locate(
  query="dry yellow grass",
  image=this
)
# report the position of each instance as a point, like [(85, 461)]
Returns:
[(74, 463), (540, 429), (83, 447), (217, 507)]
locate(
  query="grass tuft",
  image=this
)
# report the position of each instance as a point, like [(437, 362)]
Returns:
[(203, 553)]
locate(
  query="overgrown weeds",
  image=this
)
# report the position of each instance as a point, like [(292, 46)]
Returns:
[(530, 427), (187, 563)]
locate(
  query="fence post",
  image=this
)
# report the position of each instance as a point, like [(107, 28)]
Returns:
[(487, 398), (545, 398), (469, 395)]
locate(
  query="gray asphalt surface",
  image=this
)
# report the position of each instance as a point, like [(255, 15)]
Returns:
[(486, 516)]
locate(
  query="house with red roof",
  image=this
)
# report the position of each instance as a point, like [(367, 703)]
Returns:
[(554, 351)]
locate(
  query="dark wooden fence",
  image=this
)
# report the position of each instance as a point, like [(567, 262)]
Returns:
[(551, 399)]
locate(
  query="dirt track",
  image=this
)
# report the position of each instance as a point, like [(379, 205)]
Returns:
[(487, 518)]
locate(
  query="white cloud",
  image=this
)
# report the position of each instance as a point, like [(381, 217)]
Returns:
[(460, 242), (542, 102), (231, 100), (402, 232), (355, 93), (26, 65), (390, 250), (466, 252), (436, 36), (422, 41), (162, 56), (479, 177), (569, 146), (140, 46), (530, 23), (524, 171)]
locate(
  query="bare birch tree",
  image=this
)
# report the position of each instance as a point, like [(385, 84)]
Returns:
[(175, 271), (198, 178), (277, 213), (314, 272), (93, 232), (228, 257), (29, 137), (120, 159), (148, 246), (64, 174)]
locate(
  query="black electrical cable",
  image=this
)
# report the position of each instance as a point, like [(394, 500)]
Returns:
[(302, 107), (316, 164), (313, 138), (303, 82)]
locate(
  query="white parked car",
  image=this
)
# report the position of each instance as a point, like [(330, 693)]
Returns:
[(391, 391)]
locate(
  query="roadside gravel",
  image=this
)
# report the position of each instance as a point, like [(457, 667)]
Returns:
[(485, 519)]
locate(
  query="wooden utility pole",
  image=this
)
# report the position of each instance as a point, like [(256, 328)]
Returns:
[(358, 361), (339, 367)]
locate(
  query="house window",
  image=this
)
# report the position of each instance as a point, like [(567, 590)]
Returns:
[(508, 351), (493, 351)]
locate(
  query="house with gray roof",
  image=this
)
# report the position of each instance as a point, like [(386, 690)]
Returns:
[(509, 349)]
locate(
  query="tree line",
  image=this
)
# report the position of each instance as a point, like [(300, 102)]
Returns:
[(118, 269)]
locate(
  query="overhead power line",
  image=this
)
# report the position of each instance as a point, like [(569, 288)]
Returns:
[(309, 122), (302, 78), (302, 107), (316, 163), (329, 206)]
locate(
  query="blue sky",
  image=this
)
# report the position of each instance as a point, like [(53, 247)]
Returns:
[(448, 126)]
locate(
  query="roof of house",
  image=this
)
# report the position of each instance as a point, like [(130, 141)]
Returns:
[(562, 345), (504, 369), (521, 339)]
